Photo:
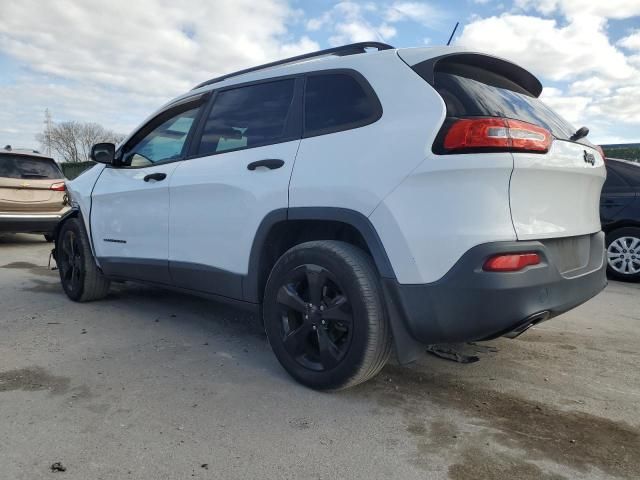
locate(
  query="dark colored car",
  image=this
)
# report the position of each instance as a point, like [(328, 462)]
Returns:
[(620, 215)]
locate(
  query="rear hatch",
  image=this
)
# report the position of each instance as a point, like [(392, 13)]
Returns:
[(493, 106), (30, 185)]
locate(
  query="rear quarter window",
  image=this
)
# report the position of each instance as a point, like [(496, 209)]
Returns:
[(21, 167), (335, 102)]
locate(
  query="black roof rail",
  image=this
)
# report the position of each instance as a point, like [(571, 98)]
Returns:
[(350, 49)]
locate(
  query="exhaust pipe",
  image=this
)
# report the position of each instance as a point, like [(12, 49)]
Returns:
[(527, 324)]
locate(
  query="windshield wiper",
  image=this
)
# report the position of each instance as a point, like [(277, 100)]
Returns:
[(581, 133)]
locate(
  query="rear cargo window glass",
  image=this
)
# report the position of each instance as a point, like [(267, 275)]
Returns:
[(337, 101), (17, 166), (630, 173), (613, 180), (467, 97)]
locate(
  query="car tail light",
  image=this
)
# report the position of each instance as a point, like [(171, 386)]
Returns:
[(58, 187), (496, 133), (511, 262), (601, 151)]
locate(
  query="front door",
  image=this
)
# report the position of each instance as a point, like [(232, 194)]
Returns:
[(240, 173), (130, 202)]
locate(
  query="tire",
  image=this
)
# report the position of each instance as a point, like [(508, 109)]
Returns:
[(48, 237), (79, 274), (325, 317), (623, 254)]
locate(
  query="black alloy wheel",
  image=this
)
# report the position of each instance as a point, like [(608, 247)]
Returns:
[(81, 278), (324, 315), (70, 262), (316, 315)]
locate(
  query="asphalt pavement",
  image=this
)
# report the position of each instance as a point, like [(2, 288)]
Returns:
[(150, 384)]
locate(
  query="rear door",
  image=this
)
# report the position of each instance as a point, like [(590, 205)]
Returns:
[(30, 185), (239, 173), (130, 202)]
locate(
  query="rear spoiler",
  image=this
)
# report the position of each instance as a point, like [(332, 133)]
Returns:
[(516, 74)]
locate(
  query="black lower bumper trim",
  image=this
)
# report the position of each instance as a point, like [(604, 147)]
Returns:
[(28, 224), (470, 304)]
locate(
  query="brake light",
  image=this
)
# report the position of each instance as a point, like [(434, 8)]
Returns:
[(600, 150), (501, 133), (511, 262), (58, 187)]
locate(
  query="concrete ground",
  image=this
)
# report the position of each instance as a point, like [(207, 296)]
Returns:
[(148, 384)]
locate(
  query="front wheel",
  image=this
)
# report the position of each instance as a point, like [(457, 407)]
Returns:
[(623, 254), (324, 315), (81, 279)]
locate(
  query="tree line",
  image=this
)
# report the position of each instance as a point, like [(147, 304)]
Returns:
[(71, 141)]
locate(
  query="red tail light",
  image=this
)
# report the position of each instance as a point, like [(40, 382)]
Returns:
[(511, 262), (601, 150), (58, 187), (498, 133)]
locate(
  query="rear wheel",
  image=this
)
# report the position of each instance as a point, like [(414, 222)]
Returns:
[(324, 315), (79, 274), (623, 254)]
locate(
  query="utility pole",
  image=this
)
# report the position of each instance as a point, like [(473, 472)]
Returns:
[(47, 132)]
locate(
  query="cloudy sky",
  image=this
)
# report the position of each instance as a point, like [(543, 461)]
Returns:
[(116, 61)]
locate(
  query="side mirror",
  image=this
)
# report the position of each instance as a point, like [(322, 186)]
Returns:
[(103, 153)]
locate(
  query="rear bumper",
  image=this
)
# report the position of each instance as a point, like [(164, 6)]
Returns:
[(17, 223), (470, 304)]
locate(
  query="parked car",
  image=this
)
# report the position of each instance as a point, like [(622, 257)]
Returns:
[(360, 200), (32, 192), (620, 215)]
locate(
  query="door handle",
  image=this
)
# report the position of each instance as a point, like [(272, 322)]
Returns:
[(158, 177), (270, 163)]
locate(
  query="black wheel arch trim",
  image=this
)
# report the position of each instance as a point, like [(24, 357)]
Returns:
[(251, 287), (73, 212)]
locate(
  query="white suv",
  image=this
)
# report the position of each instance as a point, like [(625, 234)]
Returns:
[(360, 200)]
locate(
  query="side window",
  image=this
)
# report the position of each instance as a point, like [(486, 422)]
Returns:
[(163, 143), (248, 117), (614, 180), (337, 101)]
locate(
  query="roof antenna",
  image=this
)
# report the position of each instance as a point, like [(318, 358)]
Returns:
[(453, 33)]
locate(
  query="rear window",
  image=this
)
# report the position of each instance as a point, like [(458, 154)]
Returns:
[(473, 92), (628, 171), (18, 166)]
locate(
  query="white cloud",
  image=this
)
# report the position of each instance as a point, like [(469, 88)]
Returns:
[(419, 12), (547, 49), (632, 42), (572, 108), (141, 51), (348, 22), (572, 8), (591, 86)]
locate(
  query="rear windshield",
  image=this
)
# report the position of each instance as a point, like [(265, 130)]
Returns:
[(18, 166), (629, 171), (468, 93)]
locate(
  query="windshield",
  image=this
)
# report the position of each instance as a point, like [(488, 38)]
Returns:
[(18, 166), (467, 97)]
